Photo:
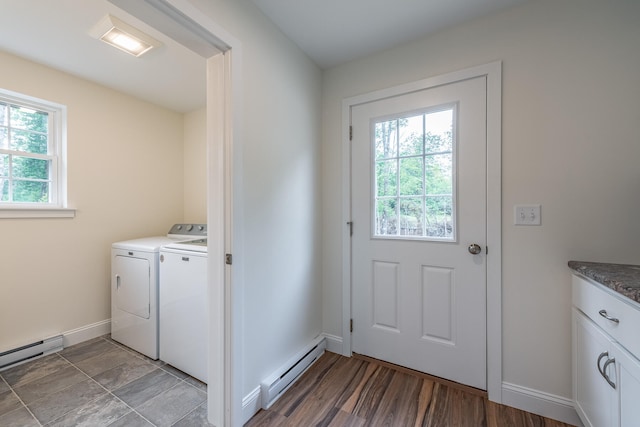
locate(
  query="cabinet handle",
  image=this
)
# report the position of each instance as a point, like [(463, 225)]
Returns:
[(602, 355), (117, 281), (604, 314), (604, 369)]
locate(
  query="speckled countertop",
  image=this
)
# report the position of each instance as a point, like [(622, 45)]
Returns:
[(622, 278)]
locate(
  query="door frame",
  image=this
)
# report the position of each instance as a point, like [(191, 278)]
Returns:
[(493, 74), (224, 192)]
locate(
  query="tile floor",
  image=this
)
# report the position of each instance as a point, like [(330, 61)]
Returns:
[(100, 383)]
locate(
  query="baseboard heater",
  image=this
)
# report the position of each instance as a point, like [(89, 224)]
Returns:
[(274, 386), (27, 352)]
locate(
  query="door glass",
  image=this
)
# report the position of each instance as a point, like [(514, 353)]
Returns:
[(414, 175)]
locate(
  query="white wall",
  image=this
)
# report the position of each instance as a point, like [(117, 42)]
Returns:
[(571, 108), (195, 166), (281, 115), (125, 180)]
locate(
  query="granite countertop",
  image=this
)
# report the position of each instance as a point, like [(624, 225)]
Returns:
[(621, 278)]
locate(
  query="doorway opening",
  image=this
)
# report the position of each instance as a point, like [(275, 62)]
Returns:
[(181, 21)]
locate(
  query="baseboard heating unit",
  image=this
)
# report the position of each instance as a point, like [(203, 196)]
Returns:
[(27, 352), (273, 387)]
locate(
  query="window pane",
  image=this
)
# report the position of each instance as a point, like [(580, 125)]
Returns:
[(411, 173), (411, 212), (438, 216), (4, 138), (386, 139), (439, 174), (4, 190), (27, 167), (410, 133), (4, 121), (439, 131), (386, 217), (4, 165), (30, 192), (387, 178), (28, 142), (28, 119)]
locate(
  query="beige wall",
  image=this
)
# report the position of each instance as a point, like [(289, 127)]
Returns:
[(125, 178), (195, 166), (571, 108)]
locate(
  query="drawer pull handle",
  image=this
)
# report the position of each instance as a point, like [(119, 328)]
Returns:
[(604, 314)]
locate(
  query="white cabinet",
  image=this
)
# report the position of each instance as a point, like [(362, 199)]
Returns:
[(628, 384), (606, 375), (594, 398)]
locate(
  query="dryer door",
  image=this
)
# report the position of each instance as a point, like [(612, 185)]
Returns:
[(132, 278)]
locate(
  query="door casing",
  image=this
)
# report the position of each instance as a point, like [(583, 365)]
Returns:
[(493, 73)]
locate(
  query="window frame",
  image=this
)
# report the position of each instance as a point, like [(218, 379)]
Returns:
[(453, 238), (57, 145)]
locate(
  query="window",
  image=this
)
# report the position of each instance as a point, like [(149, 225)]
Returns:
[(414, 176), (32, 153)]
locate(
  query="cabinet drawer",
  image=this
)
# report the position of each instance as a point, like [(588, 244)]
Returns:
[(591, 298)]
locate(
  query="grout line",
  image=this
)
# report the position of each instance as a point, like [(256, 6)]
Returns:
[(21, 402), (111, 393), (164, 367)]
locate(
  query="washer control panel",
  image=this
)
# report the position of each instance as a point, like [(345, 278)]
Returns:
[(188, 230)]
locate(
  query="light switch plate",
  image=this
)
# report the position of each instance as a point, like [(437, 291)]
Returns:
[(527, 215)]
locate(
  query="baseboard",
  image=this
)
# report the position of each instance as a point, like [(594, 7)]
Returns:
[(540, 403), (334, 343), (251, 404), (85, 333)]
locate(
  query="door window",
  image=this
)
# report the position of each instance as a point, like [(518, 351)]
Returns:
[(414, 178)]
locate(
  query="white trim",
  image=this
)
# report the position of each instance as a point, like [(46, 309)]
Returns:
[(251, 404), (494, 230), (540, 403), (10, 212), (493, 73), (56, 153), (216, 245), (334, 343), (86, 333)]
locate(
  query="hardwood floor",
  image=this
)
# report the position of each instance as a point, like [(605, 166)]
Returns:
[(354, 392)]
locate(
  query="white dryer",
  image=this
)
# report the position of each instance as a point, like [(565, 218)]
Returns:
[(134, 287), (184, 314)]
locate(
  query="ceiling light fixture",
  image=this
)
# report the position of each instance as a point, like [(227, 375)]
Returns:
[(123, 36)]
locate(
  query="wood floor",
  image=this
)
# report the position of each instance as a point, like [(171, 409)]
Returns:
[(353, 392)]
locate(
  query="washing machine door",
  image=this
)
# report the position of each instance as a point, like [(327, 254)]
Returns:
[(132, 278)]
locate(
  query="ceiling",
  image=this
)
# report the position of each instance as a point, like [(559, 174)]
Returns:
[(331, 32), (171, 76)]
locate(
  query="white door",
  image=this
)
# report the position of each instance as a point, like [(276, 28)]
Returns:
[(418, 203)]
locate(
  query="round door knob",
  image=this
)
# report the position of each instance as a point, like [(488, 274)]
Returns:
[(474, 249)]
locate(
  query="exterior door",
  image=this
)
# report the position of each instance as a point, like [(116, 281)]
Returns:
[(419, 230)]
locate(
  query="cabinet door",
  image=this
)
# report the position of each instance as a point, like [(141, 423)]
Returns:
[(628, 385), (595, 399)]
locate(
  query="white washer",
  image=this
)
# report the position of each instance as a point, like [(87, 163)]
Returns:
[(134, 287), (184, 312)]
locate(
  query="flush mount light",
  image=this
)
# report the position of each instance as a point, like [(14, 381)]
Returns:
[(123, 36)]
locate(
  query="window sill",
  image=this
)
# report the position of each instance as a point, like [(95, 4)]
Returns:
[(6, 213)]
